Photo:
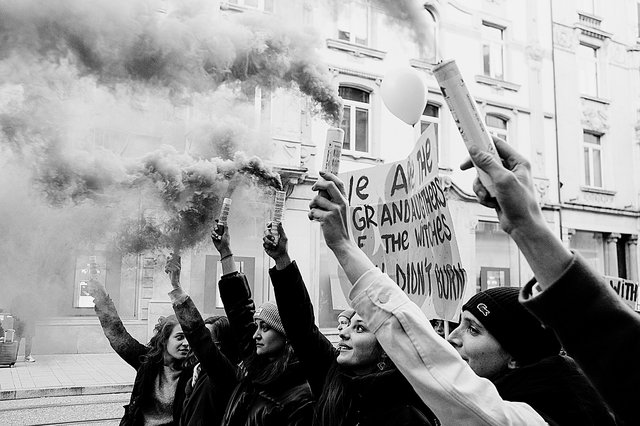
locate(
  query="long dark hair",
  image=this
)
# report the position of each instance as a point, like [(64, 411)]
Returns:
[(158, 343), (223, 336), (262, 371), (335, 402)]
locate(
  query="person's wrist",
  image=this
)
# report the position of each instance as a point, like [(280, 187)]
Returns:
[(283, 261), (226, 252), (343, 246)]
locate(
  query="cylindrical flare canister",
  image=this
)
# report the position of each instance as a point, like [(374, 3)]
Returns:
[(333, 150), (465, 112), (278, 213), (224, 213)]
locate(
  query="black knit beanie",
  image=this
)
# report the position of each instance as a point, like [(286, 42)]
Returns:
[(517, 331)]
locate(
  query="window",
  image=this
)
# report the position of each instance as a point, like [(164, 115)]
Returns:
[(355, 120), (353, 23), (592, 159), (588, 69), (497, 126), (87, 268), (493, 51), (590, 245), (431, 115), (497, 257), (265, 5)]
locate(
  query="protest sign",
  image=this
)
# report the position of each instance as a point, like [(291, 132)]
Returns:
[(627, 290), (399, 216)]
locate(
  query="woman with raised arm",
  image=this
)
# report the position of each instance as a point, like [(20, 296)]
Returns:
[(357, 384), (215, 376), (162, 365), (272, 389), (500, 366)]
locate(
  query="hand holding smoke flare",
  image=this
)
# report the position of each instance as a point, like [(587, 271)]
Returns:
[(173, 268)]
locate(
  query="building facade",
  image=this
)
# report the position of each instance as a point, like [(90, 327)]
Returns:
[(558, 80)]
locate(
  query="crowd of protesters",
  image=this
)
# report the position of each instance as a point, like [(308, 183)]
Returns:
[(555, 352)]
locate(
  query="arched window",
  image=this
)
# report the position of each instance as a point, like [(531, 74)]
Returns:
[(355, 120), (497, 126)]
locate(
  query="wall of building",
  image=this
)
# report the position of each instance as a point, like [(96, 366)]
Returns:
[(538, 96)]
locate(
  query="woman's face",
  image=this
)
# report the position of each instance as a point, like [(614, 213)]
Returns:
[(269, 342), (177, 345), (478, 348), (342, 322), (358, 347)]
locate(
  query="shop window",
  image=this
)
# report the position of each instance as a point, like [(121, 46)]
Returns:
[(213, 272), (591, 246), (88, 267), (497, 257), (493, 50), (355, 119)]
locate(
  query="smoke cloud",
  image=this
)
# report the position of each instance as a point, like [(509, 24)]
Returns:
[(120, 126)]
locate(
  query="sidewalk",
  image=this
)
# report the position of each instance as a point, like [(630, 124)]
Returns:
[(66, 375)]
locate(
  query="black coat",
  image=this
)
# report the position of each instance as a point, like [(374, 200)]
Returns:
[(132, 352), (384, 398), (205, 402), (285, 399), (557, 389)]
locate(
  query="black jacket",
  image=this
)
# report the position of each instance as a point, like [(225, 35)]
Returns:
[(557, 389), (384, 398), (597, 329), (132, 351), (205, 402), (285, 400)]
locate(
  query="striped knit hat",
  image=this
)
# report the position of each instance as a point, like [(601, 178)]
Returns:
[(268, 313), (517, 330)]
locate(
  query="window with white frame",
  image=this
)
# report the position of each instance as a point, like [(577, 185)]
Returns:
[(497, 126), (431, 116), (493, 50), (264, 5), (353, 22), (592, 148), (588, 69), (355, 119)]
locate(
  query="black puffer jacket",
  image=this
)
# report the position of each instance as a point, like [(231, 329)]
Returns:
[(284, 400), (205, 402), (382, 398), (132, 351)]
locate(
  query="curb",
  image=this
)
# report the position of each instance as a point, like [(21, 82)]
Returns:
[(64, 391)]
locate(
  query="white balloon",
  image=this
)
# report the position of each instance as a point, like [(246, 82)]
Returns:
[(404, 93)]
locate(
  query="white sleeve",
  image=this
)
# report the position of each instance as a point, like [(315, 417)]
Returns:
[(442, 379)]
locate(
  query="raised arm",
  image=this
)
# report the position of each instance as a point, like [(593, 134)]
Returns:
[(606, 341), (311, 347), (235, 294), (129, 349), (442, 379), (212, 360)]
